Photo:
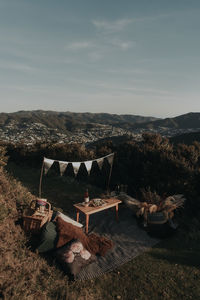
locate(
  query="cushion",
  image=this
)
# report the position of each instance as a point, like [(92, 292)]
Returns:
[(73, 257), (68, 219), (48, 238), (93, 243)]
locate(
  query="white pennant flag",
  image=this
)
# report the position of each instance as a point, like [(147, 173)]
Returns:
[(100, 162), (76, 166), (47, 164), (88, 165), (110, 158), (63, 167)]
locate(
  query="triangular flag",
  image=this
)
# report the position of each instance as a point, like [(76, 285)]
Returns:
[(63, 167), (110, 158), (47, 164), (76, 166), (100, 162), (88, 165)]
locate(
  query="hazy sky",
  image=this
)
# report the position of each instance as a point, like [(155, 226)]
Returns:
[(117, 56)]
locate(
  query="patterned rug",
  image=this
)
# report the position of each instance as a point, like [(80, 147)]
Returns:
[(129, 240)]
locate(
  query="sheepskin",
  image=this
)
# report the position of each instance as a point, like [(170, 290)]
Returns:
[(94, 243)]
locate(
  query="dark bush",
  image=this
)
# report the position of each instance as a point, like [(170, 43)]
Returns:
[(154, 162)]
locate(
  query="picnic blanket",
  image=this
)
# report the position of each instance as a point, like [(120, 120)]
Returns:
[(128, 238)]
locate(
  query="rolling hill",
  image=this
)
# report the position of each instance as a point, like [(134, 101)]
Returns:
[(69, 121), (189, 120), (186, 138), (51, 126)]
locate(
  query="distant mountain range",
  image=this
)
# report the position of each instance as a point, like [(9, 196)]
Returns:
[(70, 121), (189, 120), (52, 126)]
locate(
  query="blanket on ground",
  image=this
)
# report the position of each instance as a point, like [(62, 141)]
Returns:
[(94, 243)]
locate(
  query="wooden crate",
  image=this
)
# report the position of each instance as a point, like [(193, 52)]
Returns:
[(33, 220)]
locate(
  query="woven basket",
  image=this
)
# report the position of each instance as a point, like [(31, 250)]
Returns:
[(159, 217), (33, 220)]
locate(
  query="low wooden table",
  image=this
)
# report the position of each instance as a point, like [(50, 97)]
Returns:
[(89, 210)]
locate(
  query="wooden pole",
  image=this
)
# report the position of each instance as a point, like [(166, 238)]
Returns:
[(110, 175), (41, 174)]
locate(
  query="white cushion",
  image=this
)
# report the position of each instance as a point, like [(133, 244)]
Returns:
[(68, 219)]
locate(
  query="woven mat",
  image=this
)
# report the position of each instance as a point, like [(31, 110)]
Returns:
[(129, 240)]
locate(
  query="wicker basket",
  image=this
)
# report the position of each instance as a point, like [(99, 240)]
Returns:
[(33, 220)]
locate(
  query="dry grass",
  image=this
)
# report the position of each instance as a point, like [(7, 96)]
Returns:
[(168, 271), (20, 268)]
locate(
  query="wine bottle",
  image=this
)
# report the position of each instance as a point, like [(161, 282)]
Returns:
[(86, 196)]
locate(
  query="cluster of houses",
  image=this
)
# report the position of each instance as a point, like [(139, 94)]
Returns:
[(38, 132)]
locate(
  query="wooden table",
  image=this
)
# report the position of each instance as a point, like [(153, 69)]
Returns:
[(89, 210)]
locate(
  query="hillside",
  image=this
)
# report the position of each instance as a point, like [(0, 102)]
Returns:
[(69, 121), (36, 126), (186, 138), (88, 128), (189, 120), (170, 270)]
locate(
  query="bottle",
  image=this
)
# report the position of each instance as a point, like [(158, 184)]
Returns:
[(41, 205), (86, 196)]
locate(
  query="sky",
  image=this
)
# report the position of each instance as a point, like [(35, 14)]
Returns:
[(139, 57)]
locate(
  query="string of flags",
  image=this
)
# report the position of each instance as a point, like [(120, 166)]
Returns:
[(76, 165)]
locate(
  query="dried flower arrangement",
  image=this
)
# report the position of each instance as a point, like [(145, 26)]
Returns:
[(167, 206), (153, 203)]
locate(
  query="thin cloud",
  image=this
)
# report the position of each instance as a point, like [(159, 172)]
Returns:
[(120, 24), (117, 25), (128, 71), (95, 56), (17, 67), (123, 45), (80, 45), (105, 86)]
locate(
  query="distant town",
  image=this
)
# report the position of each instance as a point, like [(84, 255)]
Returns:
[(38, 132)]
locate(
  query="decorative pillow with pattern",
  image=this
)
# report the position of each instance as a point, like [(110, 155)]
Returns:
[(73, 257)]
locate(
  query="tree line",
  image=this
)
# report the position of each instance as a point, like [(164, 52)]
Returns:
[(153, 164)]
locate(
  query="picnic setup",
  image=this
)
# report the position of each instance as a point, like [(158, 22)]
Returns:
[(93, 208), (100, 233)]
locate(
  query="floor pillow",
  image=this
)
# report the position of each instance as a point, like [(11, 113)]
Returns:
[(48, 238), (73, 257), (68, 219), (93, 243)]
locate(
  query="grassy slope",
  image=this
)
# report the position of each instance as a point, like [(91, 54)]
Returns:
[(169, 271)]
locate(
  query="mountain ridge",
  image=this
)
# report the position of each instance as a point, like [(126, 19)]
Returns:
[(68, 120), (70, 127), (188, 120)]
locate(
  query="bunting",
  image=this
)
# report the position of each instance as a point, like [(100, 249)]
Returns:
[(76, 165), (110, 158), (100, 162), (47, 164), (88, 165), (63, 166)]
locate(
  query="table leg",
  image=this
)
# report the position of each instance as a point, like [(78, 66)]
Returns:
[(117, 218), (77, 215), (87, 223)]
